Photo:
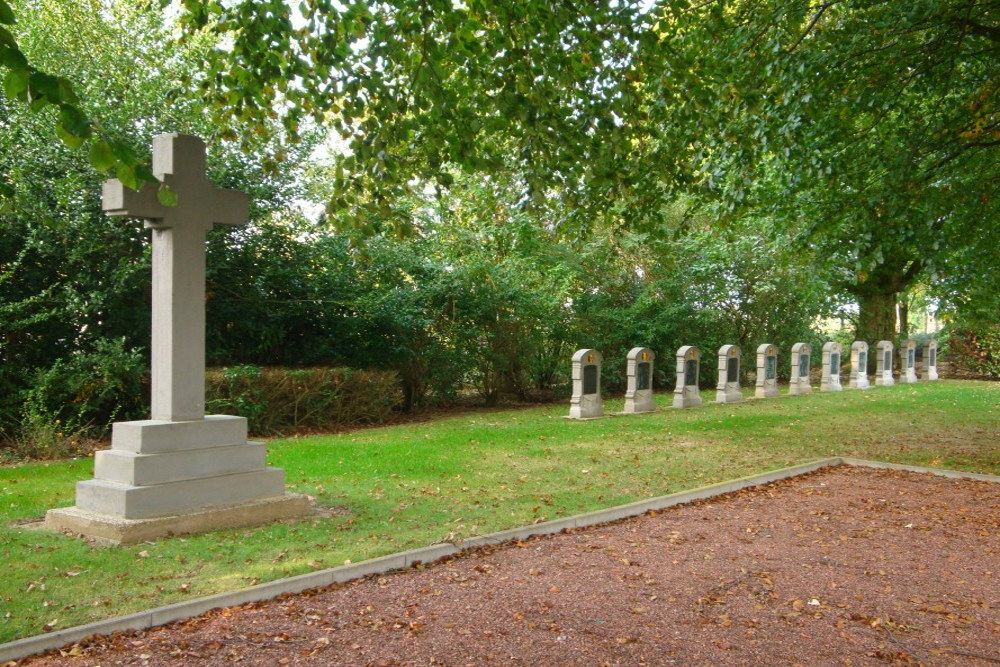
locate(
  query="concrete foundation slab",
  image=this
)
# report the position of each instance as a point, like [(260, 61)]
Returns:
[(132, 531)]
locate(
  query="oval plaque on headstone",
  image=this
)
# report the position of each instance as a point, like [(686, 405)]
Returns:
[(933, 356), (834, 363), (590, 379), (803, 365), (771, 368), (910, 357), (863, 360), (887, 360)]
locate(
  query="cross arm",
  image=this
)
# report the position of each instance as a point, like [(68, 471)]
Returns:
[(229, 207), (116, 199)]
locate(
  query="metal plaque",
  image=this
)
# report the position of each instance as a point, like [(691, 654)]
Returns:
[(690, 372), (732, 369), (590, 379), (642, 373)]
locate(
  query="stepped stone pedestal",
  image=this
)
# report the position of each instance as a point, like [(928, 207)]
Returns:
[(174, 477)]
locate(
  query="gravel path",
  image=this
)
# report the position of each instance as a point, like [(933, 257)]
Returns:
[(844, 566)]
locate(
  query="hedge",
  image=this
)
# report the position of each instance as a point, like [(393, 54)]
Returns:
[(278, 401)]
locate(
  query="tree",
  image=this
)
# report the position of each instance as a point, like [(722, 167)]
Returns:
[(74, 284), (870, 128), (868, 131)]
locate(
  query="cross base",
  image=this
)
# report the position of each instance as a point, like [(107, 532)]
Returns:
[(117, 530), (164, 477)]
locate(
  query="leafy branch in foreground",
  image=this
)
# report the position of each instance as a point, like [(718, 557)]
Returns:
[(41, 90)]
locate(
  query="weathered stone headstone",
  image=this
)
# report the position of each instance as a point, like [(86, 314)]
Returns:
[(686, 394), (883, 364), (909, 354), (179, 472), (767, 371), (859, 365), (830, 377), (928, 365), (639, 390), (801, 357), (728, 388), (586, 403)]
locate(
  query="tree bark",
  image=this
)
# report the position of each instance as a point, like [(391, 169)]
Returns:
[(876, 321)]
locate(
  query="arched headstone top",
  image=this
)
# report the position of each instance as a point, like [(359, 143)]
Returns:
[(587, 356), (641, 354), (859, 345), (729, 351), (885, 345), (767, 349), (801, 348), (689, 352), (832, 347)]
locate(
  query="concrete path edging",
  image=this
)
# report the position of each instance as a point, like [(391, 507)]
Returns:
[(22, 648), (940, 472)]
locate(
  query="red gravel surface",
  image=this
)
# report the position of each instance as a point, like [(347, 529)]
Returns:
[(844, 566)]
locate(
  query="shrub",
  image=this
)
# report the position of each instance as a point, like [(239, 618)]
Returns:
[(976, 349), (281, 400), (87, 391)]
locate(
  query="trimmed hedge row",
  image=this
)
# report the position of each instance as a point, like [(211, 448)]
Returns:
[(283, 400)]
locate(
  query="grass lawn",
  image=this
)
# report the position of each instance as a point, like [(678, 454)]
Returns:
[(395, 488)]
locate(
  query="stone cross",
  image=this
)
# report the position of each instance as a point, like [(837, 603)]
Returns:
[(178, 345)]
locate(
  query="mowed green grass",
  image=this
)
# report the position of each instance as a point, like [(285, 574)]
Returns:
[(394, 488)]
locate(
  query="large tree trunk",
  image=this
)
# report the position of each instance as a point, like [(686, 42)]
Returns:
[(876, 321)]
